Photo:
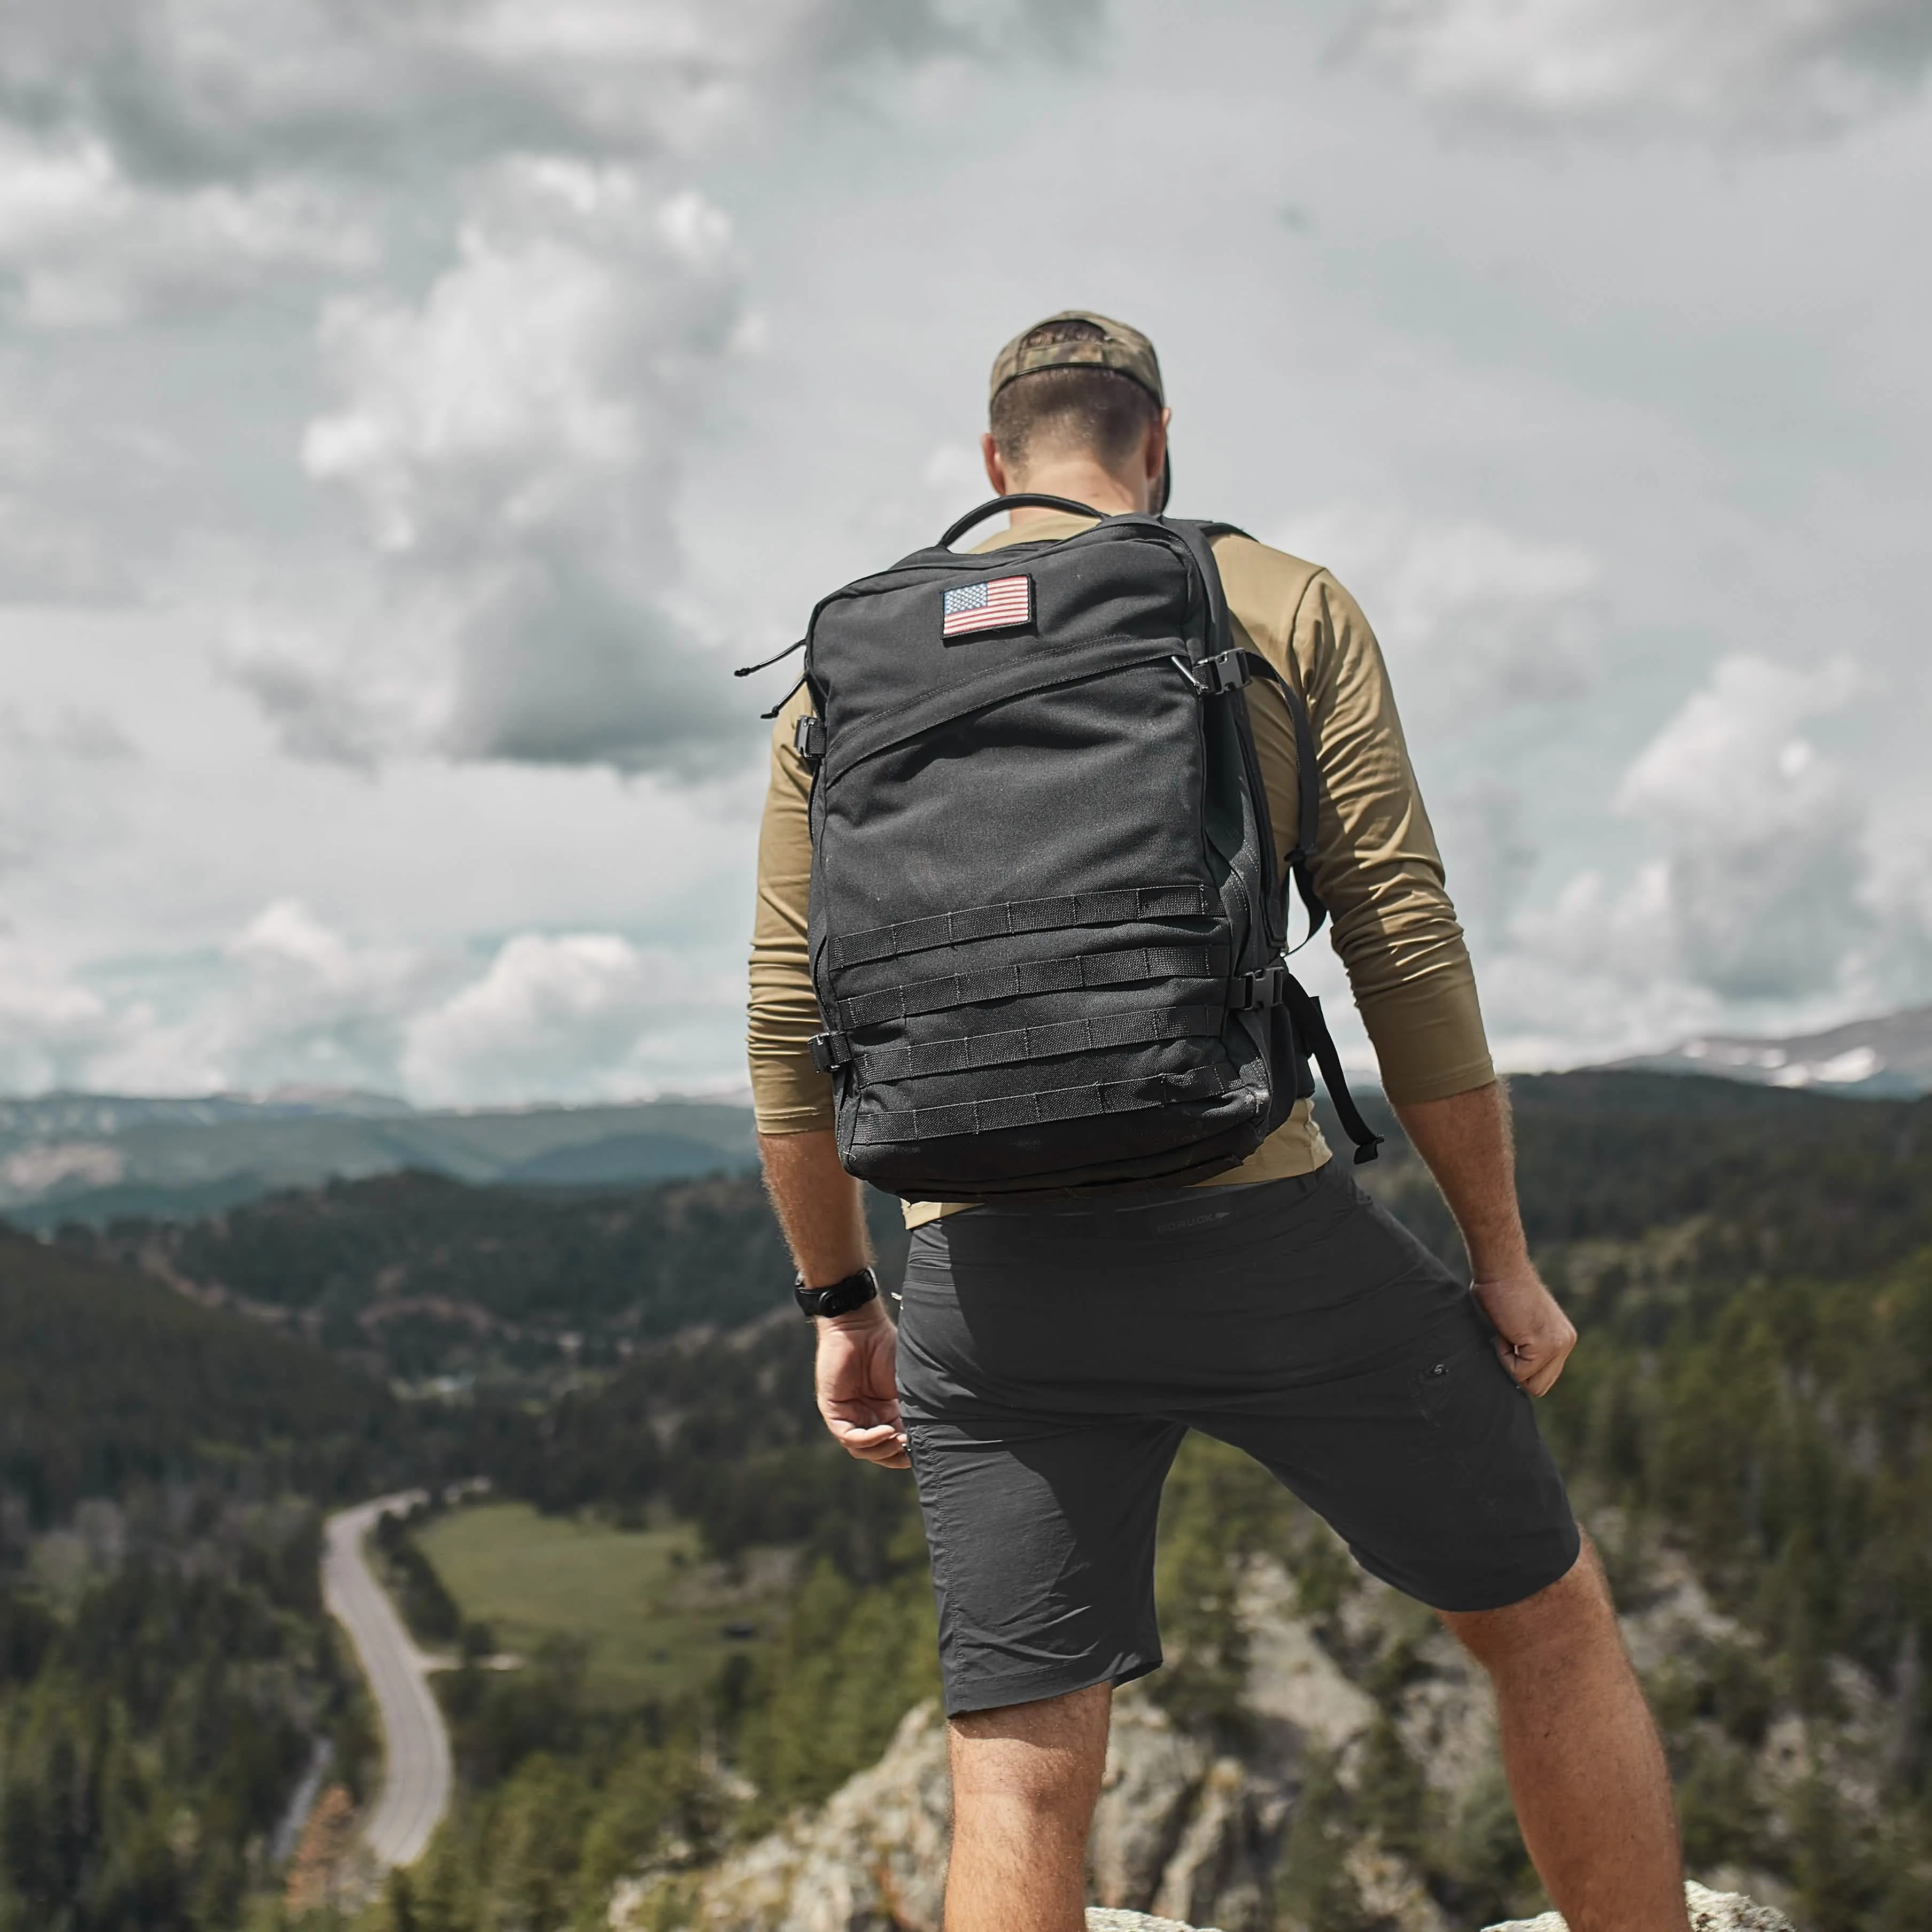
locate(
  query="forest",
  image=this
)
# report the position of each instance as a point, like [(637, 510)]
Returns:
[(1751, 1270), (415, 1277)]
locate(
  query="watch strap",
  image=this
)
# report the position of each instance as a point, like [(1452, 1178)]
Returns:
[(840, 1298)]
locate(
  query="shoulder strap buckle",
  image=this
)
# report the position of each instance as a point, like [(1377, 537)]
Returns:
[(808, 738)]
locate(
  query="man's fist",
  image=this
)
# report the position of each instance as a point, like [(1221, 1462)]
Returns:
[(1533, 1336), (857, 1384)]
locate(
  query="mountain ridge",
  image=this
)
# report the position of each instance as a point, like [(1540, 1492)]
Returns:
[(93, 1157), (1886, 1056)]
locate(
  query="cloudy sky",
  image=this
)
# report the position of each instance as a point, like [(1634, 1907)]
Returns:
[(409, 414)]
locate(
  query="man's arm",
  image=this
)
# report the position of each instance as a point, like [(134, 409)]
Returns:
[(822, 1211), (819, 1204), (1464, 1140)]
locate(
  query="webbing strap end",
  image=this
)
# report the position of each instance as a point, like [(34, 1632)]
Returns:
[(1211, 676), (830, 1051)]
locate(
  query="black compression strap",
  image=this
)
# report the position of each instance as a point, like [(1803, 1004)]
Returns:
[(1311, 1028), (1072, 974), (1034, 1110), (999, 922)]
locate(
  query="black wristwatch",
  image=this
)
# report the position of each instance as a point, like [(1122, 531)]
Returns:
[(840, 1298)]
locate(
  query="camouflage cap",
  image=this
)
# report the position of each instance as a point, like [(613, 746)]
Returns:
[(1125, 351)]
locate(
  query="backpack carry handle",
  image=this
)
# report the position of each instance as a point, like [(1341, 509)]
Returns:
[(1027, 499)]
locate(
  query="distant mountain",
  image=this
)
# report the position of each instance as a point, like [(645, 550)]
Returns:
[(1889, 1058), (95, 1157)]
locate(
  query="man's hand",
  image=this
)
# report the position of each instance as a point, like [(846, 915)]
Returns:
[(858, 1387), (820, 1210), (1533, 1336), (1464, 1140)]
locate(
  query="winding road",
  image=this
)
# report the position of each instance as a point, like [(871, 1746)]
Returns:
[(415, 1742)]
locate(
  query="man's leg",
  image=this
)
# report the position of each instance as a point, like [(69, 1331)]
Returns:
[(1592, 1794), (1025, 1779)]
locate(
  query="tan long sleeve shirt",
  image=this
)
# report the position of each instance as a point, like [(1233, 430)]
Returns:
[(1375, 862)]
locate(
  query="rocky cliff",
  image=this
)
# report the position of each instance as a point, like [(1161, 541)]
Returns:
[(1709, 1911), (1178, 1831), (1361, 1789)]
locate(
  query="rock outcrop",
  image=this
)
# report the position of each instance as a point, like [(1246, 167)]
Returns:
[(1710, 1912), (1177, 1830), (1187, 1835)]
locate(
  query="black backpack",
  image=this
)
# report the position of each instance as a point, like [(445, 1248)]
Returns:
[(1046, 929)]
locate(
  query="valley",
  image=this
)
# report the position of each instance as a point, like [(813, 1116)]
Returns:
[(678, 1621)]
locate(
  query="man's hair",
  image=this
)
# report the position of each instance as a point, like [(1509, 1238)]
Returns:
[(1097, 410)]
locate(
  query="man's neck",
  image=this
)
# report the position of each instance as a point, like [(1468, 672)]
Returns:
[(1080, 481)]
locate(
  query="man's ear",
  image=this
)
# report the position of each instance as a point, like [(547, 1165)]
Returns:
[(996, 468), (1154, 454)]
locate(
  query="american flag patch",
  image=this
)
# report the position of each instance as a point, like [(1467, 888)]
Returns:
[(998, 604)]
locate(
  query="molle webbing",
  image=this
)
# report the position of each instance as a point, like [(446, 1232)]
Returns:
[(1018, 915), (1072, 974), (1033, 1110), (1144, 1026)]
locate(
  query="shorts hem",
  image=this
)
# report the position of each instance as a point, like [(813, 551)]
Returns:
[(1499, 1595), (1038, 1690)]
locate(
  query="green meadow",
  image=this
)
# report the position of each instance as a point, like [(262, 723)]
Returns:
[(653, 1616)]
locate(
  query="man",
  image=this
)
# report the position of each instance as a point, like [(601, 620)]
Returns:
[(1051, 1353)]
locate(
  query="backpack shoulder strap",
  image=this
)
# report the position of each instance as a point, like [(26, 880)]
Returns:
[(1308, 788), (1199, 537)]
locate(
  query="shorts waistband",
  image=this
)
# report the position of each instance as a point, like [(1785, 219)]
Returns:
[(1141, 1215)]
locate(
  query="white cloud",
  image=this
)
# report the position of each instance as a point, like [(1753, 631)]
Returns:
[(1659, 409), (1473, 618), (53, 806), (1762, 831), (189, 90), (1489, 826), (1592, 975), (588, 1014), (52, 1031), (512, 437), (288, 1000), (57, 501), (85, 246), (512, 443), (1763, 894), (1779, 67)]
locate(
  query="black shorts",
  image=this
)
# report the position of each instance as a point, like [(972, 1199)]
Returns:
[(1051, 1358)]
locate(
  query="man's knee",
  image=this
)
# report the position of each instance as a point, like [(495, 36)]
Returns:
[(1574, 1614), (1047, 1756)]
